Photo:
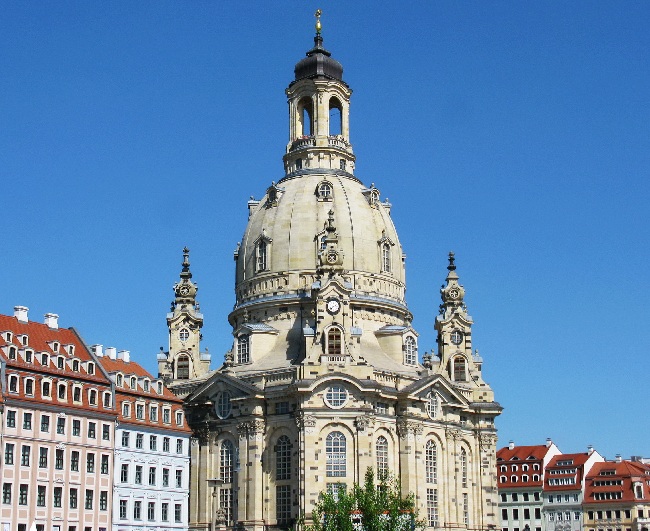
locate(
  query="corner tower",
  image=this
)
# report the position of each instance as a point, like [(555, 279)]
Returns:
[(184, 360)]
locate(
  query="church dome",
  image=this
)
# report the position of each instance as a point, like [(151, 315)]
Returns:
[(279, 253), (318, 63)]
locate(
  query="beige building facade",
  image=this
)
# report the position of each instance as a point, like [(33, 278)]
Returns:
[(324, 378)]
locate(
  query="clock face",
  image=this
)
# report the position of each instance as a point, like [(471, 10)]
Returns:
[(184, 290), (454, 293), (332, 257), (333, 306)]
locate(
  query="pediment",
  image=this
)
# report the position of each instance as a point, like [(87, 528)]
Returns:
[(438, 383), (219, 382), (255, 328)]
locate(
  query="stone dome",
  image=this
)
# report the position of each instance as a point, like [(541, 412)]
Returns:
[(291, 219)]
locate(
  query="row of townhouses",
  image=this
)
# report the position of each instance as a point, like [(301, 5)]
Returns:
[(90, 440), (543, 489)]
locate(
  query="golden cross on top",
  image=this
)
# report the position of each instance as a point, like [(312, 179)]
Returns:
[(318, 25)]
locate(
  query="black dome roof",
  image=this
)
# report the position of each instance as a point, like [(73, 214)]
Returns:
[(318, 63)]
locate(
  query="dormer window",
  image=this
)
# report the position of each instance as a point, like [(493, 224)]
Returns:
[(60, 362), (12, 353), (134, 382), (160, 388), (71, 350), (243, 349), (75, 365), (24, 339), (146, 385), (8, 337), (28, 356), (118, 380), (410, 351), (91, 368), (45, 360), (55, 347)]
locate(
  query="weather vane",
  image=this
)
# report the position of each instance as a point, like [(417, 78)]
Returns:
[(318, 26)]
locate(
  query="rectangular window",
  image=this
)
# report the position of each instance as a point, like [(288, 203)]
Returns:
[(138, 475), (164, 512), (74, 461), (515, 514), (153, 414), (76, 427), (11, 419), (166, 416), (151, 511), (179, 479), (179, 418), (104, 465), (283, 504), (103, 500), (281, 408), (137, 510), (124, 473), (165, 477), (45, 423), (58, 460), (89, 499), (24, 456), (60, 425), (153, 443), (40, 496), (42, 457), (139, 411), (432, 507), (526, 514), (178, 509), (504, 514), (123, 509), (139, 440), (27, 421), (22, 495), (179, 446), (92, 430), (152, 475), (165, 444), (538, 513), (125, 438), (106, 432), (58, 496), (6, 493), (73, 498), (90, 463), (9, 454)]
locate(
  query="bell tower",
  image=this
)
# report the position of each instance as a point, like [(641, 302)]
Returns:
[(319, 113), (184, 360), (454, 327)]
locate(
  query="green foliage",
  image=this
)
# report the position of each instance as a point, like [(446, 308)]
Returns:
[(368, 507)]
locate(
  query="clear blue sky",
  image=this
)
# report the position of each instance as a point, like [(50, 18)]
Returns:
[(515, 133)]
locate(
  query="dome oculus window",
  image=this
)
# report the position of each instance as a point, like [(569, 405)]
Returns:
[(324, 191), (336, 396), (223, 407)]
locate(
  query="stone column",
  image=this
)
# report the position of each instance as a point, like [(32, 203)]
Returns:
[(408, 431), (306, 427), (454, 496), (251, 476), (365, 445)]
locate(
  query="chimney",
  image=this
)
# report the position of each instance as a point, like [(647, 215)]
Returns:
[(124, 355), (20, 313), (111, 352), (52, 320), (618, 458), (97, 350), (590, 449), (548, 442), (511, 445)]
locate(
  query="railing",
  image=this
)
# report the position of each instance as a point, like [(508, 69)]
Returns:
[(339, 142), (303, 142)]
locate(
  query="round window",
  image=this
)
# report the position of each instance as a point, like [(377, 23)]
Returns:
[(456, 337), (223, 407), (336, 396)]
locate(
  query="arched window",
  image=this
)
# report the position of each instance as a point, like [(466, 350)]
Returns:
[(385, 258), (305, 117), (13, 384), (283, 458), (324, 190), (463, 467), (335, 455), (432, 405), (226, 454), (431, 462), (459, 369), (262, 256), (381, 451), (183, 367), (524, 478), (223, 406), (243, 349), (410, 351), (336, 115), (45, 389), (12, 353), (334, 342)]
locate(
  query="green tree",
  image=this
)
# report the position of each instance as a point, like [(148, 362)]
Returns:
[(368, 507)]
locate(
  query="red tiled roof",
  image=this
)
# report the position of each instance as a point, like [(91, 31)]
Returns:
[(627, 473), (577, 462), (518, 457)]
